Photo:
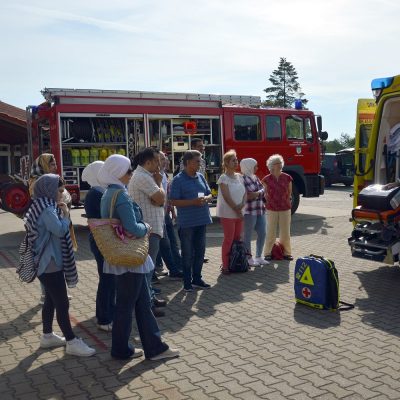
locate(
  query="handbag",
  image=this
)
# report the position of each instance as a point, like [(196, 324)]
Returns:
[(117, 246), (278, 251)]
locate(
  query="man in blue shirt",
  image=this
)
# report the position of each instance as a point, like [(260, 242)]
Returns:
[(190, 194)]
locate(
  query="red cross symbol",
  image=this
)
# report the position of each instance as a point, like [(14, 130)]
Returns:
[(306, 292)]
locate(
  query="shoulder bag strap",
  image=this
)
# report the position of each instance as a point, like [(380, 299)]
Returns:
[(345, 306), (113, 201)]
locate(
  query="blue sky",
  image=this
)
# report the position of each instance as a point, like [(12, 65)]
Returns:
[(208, 46)]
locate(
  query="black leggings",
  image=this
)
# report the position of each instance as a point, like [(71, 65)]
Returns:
[(56, 298)]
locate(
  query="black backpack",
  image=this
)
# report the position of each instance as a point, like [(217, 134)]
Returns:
[(238, 257)]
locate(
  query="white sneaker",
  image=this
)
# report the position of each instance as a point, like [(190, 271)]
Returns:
[(253, 262), (169, 353), (51, 340), (261, 261), (138, 353), (77, 347), (106, 328)]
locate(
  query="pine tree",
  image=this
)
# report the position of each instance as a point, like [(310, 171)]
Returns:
[(285, 89)]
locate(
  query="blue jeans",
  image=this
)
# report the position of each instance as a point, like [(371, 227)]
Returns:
[(169, 251), (133, 297), (154, 245), (193, 246), (105, 297), (259, 224)]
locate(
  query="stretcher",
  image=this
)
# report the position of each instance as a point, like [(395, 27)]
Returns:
[(376, 235)]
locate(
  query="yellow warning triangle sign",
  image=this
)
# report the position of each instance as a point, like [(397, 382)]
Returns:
[(306, 278)]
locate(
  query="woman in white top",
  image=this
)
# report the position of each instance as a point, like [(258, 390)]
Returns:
[(230, 203)]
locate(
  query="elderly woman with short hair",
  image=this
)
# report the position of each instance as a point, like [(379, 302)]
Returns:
[(278, 186)]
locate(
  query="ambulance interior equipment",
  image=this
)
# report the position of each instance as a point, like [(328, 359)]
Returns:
[(376, 234)]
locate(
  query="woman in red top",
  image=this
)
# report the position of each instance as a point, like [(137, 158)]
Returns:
[(278, 187)]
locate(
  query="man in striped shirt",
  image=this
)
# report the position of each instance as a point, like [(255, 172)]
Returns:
[(145, 188)]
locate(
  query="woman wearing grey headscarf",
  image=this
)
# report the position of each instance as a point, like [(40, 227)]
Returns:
[(46, 164), (132, 295), (105, 297), (47, 225)]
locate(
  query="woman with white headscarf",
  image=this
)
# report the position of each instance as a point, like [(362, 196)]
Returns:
[(47, 226), (254, 210), (132, 295), (105, 297)]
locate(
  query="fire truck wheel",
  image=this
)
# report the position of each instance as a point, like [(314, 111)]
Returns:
[(295, 198), (15, 198)]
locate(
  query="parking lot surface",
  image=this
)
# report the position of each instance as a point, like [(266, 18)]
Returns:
[(245, 338)]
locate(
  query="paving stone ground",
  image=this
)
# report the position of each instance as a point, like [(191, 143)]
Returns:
[(243, 339)]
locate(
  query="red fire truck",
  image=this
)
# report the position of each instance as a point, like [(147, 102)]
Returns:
[(80, 126)]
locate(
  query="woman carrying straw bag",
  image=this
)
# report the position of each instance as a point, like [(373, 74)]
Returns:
[(131, 289)]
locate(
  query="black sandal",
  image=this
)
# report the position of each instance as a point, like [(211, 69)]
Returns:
[(288, 257), (268, 257)]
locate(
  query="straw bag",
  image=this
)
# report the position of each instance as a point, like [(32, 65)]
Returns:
[(118, 247)]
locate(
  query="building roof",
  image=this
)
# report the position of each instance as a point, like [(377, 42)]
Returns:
[(12, 114), (12, 124)]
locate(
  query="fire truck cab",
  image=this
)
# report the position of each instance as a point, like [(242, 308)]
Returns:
[(81, 125)]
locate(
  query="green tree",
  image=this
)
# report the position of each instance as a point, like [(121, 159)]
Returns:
[(284, 89), (347, 141), (332, 146), (344, 142)]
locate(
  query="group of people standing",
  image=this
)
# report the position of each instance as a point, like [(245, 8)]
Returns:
[(246, 203), (145, 204), (122, 291)]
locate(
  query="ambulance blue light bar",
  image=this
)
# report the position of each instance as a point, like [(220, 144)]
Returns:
[(380, 83)]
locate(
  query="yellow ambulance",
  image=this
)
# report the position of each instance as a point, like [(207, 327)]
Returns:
[(365, 118), (378, 135), (376, 225)]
